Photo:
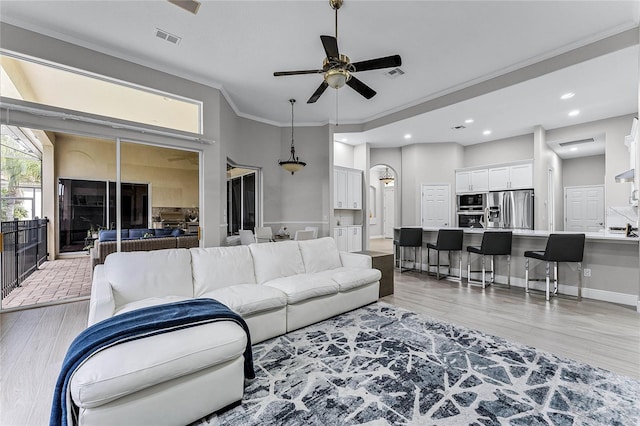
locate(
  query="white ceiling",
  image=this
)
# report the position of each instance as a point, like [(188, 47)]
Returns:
[(445, 46)]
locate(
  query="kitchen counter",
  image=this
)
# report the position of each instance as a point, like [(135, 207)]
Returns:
[(602, 236), (611, 269)]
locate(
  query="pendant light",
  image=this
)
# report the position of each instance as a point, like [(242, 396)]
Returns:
[(386, 177), (293, 164)]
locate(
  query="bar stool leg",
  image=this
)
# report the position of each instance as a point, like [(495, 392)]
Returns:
[(547, 287), (449, 267), (579, 281), (460, 266), (415, 256), (483, 271), (468, 266), (509, 271), (428, 260), (526, 275), (438, 264), (493, 269), (555, 276)]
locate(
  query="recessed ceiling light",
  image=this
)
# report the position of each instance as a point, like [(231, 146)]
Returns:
[(486, 132), (575, 148), (568, 95), (468, 120), (407, 136), (574, 113)]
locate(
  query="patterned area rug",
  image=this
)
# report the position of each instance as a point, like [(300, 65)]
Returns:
[(383, 365)]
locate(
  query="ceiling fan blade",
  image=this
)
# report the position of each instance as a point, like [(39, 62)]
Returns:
[(361, 88), (281, 73), (319, 91), (330, 44), (378, 63)]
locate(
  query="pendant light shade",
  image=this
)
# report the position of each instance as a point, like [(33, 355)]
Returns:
[(293, 164), (386, 177)]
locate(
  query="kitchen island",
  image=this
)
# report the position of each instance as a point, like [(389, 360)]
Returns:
[(611, 264)]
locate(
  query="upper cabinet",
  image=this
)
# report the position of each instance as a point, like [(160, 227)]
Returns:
[(519, 176), (472, 181), (347, 189)]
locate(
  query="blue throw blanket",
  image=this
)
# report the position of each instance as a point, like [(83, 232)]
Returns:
[(136, 325)]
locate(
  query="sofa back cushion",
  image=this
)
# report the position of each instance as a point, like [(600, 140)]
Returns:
[(217, 267), (320, 254), (138, 275), (163, 232), (140, 233), (276, 260), (111, 234)]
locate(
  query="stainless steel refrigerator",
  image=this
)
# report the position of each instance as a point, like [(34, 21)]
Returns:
[(510, 209)]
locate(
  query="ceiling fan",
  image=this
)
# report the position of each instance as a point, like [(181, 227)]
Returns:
[(338, 69)]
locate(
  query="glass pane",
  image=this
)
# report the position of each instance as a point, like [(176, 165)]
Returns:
[(160, 188), (82, 212), (48, 85), (236, 205), (249, 202)]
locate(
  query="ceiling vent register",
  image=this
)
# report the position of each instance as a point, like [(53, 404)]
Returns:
[(581, 141), (173, 39)]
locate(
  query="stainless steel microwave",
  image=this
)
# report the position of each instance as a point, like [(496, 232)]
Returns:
[(474, 202)]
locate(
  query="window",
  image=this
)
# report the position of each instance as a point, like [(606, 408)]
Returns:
[(61, 87)]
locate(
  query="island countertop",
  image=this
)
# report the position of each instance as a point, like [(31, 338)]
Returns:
[(602, 236)]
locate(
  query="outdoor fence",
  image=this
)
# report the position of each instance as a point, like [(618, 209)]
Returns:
[(23, 247)]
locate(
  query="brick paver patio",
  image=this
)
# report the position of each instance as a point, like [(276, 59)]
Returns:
[(54, 280)]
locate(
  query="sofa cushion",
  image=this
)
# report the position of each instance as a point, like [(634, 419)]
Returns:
[(350, 278), (276, 260), (138, 364), (216, 267), (249, 299), (139, 275), (111, 234), (299, 288), (319, 255), (162, 232)]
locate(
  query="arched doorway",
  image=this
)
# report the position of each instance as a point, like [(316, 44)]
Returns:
[(382, 207)]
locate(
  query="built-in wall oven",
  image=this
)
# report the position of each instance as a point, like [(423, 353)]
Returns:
[(472, 210)]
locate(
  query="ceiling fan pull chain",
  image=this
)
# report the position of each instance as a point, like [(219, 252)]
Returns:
[(337, 108)]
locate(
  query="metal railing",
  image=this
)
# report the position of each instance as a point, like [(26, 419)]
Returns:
[(23, 248)]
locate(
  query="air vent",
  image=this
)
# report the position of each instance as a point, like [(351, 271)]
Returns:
[(173, 39), (396, 72), (564, 144), (460, 127)]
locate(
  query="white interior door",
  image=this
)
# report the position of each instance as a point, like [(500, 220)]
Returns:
[(388, 212), (436, 205), (584, 208)]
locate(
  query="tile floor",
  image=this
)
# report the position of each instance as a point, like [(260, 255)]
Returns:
[(54, 280)]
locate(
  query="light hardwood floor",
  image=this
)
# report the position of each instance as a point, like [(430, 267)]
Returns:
[(33, 342)]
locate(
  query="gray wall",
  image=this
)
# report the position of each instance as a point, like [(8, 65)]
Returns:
[(499, 151), (583, 171), (427, 164), (391, 157)]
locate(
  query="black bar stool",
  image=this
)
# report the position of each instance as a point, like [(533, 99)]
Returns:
[(560, 248), (409, 237), (494, 243), (448, 240)]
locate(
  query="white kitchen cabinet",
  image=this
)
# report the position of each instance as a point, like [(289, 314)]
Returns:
[(518, 176), (348, 238), (354, 190), (339, 189), (354, 242), (472, 181), (347, 189), (340, 234)]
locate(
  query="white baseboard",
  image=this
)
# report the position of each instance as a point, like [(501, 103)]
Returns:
[(587, 293)]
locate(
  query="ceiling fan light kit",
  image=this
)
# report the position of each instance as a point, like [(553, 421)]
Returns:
[(293, 163), (338, 69)]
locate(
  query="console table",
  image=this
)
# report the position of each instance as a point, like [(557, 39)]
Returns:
[(384, 263)]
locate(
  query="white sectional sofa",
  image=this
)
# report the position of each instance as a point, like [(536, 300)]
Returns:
[(275, 287)]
